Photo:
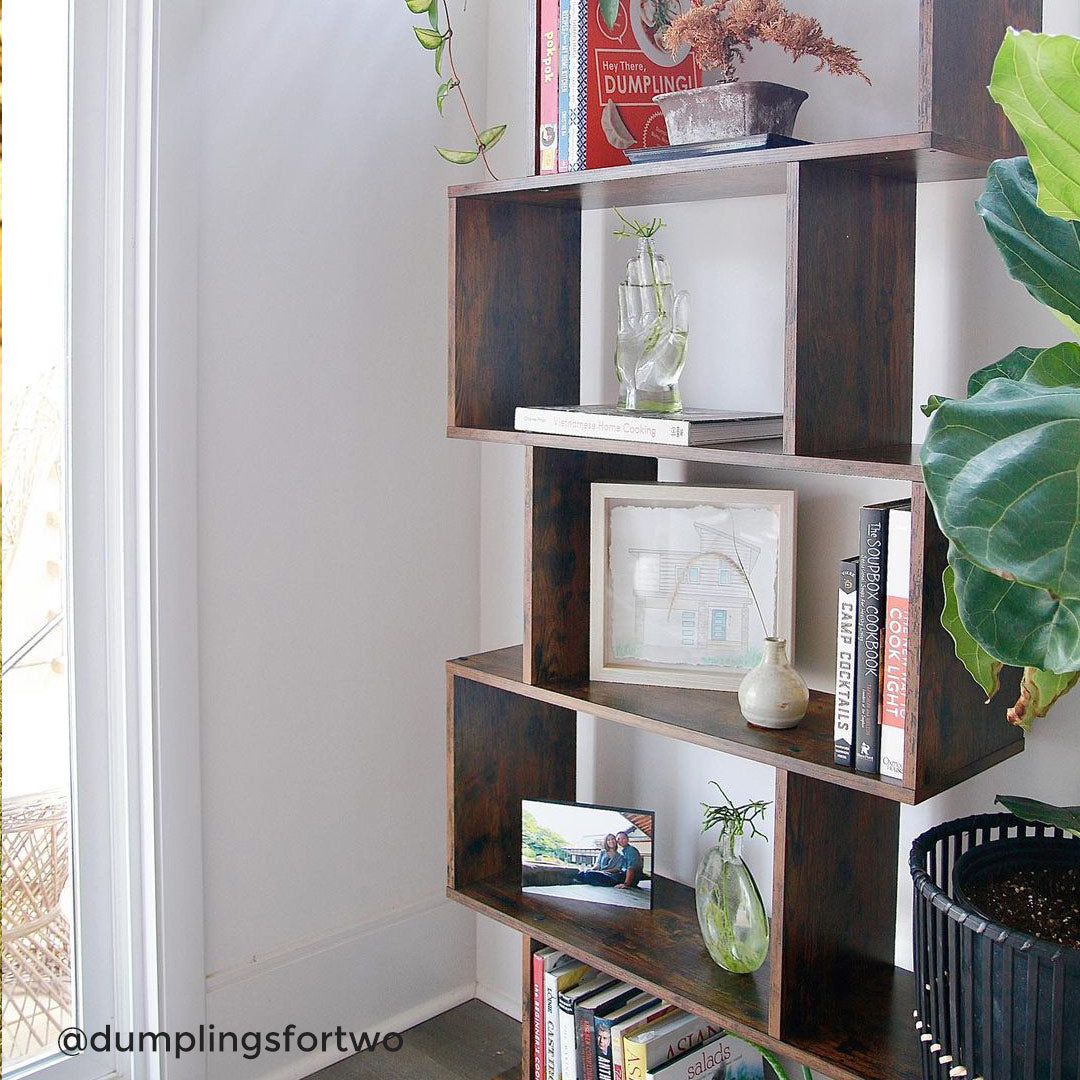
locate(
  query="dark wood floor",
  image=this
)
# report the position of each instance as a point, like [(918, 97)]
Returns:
[(471, 1042)]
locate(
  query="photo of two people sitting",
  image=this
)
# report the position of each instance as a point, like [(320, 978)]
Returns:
[(619, 865), (582, 852)]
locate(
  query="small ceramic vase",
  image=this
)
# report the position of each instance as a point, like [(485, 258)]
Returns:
[(774, 695)]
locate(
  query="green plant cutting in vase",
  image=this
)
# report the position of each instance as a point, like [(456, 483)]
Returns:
[(440, 41), (654, 321), (1002, 467), (730, 910)]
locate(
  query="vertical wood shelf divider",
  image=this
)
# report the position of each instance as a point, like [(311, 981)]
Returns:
[(829, 995)]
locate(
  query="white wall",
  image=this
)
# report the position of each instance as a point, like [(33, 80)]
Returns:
[(339, 543), (730, 256)]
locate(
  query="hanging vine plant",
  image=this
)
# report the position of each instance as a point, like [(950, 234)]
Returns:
[(438, 38)]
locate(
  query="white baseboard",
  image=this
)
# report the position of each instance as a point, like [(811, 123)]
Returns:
[(498, 966), (498, 999), (385, 974)]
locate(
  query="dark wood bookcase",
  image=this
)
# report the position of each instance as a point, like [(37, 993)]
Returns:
[(829, 995)]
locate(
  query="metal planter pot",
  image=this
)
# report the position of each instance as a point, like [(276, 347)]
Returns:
[(729, 111), (991, 1001)]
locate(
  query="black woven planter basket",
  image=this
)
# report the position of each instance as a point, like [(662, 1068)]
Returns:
[(990, 1002)]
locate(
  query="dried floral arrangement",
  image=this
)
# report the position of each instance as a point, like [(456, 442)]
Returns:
[(720, 33)]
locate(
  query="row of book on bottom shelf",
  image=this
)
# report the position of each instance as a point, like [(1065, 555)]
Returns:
[(872, 643), (588, 1025)]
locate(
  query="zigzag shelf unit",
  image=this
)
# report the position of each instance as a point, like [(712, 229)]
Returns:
[(826, 997)]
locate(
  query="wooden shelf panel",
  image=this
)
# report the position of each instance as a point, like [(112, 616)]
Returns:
[(704, 717), (661, 951), (868, 1032), (899, 462), (921, 157)]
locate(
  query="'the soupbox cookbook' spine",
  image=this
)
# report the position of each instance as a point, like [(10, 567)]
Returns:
[(873, 541)]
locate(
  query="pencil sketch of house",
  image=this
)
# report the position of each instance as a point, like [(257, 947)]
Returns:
[(702, 593)]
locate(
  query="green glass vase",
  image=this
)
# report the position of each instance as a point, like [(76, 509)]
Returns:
[(730, 910)]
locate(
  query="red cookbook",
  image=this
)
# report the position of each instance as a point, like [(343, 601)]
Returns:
[(627, 66)]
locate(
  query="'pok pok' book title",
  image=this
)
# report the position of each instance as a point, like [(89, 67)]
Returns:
[(627, 67)]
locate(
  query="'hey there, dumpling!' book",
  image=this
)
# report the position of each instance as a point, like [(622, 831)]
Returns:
[(628, 66), (616, 65)]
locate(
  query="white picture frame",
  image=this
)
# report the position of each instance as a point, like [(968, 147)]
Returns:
[(678, 575)]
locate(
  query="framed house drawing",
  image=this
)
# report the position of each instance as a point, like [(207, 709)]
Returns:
[(687, 582)]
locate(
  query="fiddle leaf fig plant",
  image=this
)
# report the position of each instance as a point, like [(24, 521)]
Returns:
[(1035, 83), (1040, 251), (1065, 818), (440, 42), (1002, 467)]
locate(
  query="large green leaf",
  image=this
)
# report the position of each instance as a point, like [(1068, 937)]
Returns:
[(1003, 471), (1014, 366), (609, 11), (1038, 689), (1066, 818), (1057, 366), (1040, 251), (983, 668), (1036, 80), (1020, 625)]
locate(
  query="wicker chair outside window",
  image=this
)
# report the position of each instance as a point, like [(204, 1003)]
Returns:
[(37, 976)]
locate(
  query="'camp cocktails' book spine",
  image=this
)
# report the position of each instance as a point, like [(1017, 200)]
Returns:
[(846, 633)]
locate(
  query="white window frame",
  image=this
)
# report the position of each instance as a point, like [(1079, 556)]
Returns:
[(132, 533)]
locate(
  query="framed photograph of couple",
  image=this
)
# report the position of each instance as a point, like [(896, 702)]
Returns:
[(687, 582), (578, 851)]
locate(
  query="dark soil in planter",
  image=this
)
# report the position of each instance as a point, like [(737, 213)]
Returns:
[(1043, 902)]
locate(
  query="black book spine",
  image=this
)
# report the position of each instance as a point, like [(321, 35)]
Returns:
[(873, 544), (846, 653)]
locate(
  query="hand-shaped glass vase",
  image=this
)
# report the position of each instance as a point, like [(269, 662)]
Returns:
[(653, 324)]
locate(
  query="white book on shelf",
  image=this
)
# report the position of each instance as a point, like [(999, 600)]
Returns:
[(688, 427), (566, 972), (894, 653)]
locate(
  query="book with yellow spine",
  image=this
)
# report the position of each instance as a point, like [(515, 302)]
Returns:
[(663, 1040)]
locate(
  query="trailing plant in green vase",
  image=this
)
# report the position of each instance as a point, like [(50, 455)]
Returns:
[(1002, 467), (440, 41), (730, 910)]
